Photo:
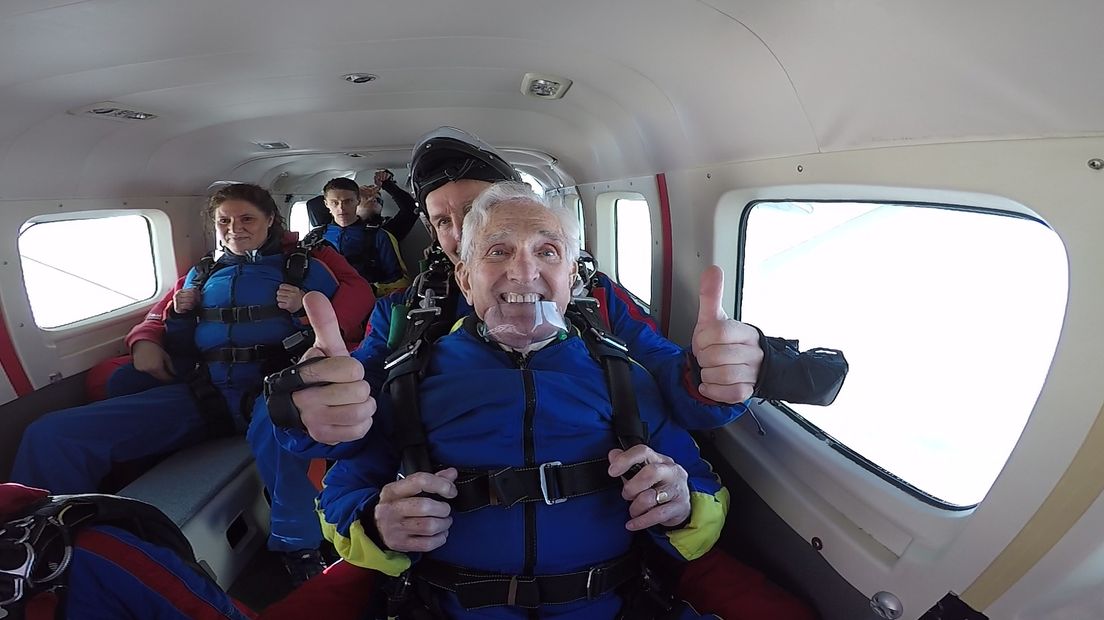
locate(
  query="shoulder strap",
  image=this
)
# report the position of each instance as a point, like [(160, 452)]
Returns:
[(612, 353), (314, 238), (204, 268), (295, 267)]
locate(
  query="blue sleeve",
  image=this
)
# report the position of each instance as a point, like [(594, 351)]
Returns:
[(668, 363), (349, 495), (372, 353), (709, 500)]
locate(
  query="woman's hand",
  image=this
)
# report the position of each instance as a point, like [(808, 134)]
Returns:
[(150, 358), (658, 493), (289, 298), (185, 300)]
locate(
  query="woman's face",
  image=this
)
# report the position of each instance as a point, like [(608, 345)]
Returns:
[(241, 226)]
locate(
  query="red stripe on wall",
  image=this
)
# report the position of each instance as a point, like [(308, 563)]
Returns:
[(668, 250), (9, 360)]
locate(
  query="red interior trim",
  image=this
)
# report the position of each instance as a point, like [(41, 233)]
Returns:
[(9, 360), (668, 248)]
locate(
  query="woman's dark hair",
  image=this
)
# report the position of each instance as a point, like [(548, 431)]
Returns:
[(254, 195)]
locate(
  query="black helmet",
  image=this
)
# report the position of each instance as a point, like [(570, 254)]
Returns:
[(449, 154)]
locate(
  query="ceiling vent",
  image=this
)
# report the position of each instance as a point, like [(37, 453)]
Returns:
[(112, 111), (273, 146), (544, 86), (359, 78)]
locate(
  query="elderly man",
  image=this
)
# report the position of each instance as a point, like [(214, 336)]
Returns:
[(546, 486)]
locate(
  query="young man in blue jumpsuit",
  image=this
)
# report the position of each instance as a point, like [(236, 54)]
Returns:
[(371, 249), (551, 404), (70, 451)]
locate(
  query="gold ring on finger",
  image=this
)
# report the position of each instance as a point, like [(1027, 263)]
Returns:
[(662, 497)]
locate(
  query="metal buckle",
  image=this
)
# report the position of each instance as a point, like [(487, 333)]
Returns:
[(20, 576), (591, 582), (605, 339), (543, 471), (410, 352)]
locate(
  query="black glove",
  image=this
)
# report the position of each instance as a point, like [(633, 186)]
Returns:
[(813, 377)]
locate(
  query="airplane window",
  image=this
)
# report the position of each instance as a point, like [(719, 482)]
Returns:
[(582, 221), (949, 319), (299, 220), (633, 227), (81, 268)]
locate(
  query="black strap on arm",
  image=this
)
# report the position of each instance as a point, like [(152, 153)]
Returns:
[(813, 377)]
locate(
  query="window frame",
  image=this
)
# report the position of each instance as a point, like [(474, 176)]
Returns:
[(806, 425), (159, 228), (647, 305)]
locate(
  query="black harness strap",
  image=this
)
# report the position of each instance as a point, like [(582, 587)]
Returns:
[(241, 355), (42, 538), (551, 483), (436, 296), (478, 589), (210, 402), (240, 314), (612, 353)]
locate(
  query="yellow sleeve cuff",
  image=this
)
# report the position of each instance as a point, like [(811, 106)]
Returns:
[(707, 517), (358, 549)]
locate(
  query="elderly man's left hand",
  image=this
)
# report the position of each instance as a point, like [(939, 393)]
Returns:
[(728, 351), (659, 493)]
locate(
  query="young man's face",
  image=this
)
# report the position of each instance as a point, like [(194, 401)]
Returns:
[(446, 207), (518, 257), (342, 204)]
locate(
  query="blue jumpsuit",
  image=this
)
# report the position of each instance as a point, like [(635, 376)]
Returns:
[(372, 251), (552, 406), (70, 451)]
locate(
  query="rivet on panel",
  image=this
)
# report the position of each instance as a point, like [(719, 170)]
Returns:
[(800, 168), (1096, 163), (818, 544), (708, 176)]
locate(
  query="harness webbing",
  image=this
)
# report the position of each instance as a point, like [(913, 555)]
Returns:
[(42, 538)]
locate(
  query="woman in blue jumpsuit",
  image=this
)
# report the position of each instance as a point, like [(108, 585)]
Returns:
[(70, 451)]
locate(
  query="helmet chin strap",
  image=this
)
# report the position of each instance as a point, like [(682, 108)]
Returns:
[(521, 325)]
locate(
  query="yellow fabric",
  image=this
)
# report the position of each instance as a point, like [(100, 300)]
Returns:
[(707, 517), (358, 549)]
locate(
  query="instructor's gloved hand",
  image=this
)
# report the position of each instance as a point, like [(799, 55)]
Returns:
[(341, 410)]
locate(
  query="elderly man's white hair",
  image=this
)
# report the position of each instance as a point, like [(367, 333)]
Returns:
[(498, 195)]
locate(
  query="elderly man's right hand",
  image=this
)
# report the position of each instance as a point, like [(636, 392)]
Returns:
[(343, 410), (410, 522)]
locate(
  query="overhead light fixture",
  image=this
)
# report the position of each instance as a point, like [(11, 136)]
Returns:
[(112, 111), (273, 146), (544, 86), (359, 78)]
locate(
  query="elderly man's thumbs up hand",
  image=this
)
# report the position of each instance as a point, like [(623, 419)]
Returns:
[(727, 350), (342, 410)]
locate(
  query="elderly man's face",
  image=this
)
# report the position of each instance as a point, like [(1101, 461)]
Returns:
[(446, 207), (518, 257)]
